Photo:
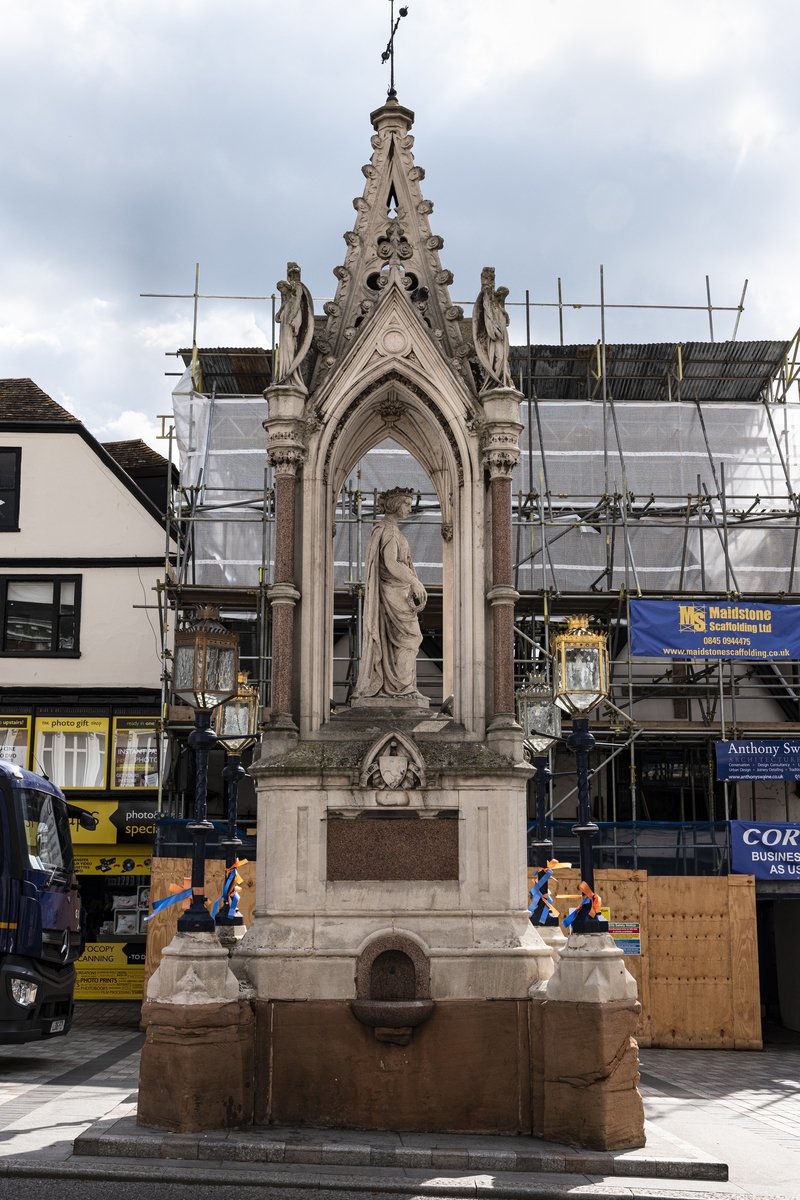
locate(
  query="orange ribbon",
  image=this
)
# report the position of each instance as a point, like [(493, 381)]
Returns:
[(593, 898)]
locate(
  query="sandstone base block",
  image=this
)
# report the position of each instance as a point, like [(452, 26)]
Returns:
[(466, 1069), (590, 1065), (197, 1066)]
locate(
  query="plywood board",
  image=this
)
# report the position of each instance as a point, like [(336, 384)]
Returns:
[(698, 971), (690, 982), (162, 928), (744, 963)]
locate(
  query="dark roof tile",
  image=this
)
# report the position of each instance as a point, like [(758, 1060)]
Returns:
[(135, 454), (22, 400)]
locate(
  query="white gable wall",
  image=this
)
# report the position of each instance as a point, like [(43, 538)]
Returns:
[(72, 505), (119, 644)]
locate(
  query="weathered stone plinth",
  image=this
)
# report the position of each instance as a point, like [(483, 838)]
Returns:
[(555, 941), (589, 1059), (197, 1064), (591, 968), (590, 1071)]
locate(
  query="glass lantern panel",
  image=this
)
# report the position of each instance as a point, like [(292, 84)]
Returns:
[(581, 691), (235, 719), (220, 675), (541, 724), (183, 676)]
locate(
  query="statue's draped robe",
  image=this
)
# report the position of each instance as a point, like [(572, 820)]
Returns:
[(390, 631)]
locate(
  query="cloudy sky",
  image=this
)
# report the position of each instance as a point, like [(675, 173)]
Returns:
[(140, 136)]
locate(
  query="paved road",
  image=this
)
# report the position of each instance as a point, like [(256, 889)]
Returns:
[(742, 1107), (80, 1189), (51, 1091)]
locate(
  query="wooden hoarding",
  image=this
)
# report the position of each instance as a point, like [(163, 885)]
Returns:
[(697, 973)]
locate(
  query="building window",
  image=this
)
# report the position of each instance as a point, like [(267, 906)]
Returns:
[(135, 752), (41, 616), (72, 751), (9, 489)]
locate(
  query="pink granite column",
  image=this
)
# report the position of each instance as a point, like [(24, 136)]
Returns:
[(502, 597), (283, 594)]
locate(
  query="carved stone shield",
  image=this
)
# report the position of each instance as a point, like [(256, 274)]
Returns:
[(393, 769)]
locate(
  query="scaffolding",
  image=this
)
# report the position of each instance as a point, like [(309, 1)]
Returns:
[(661, 470)]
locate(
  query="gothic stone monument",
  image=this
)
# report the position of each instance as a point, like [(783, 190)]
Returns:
[(391, 953)]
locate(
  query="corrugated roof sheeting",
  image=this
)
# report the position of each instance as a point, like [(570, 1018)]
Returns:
[(245, 371), (711, 370)]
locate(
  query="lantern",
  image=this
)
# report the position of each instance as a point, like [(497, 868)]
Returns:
[(236, 720), (206, 661), (538, 714), (581, 667)]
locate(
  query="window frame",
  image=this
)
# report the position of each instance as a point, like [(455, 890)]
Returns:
[(54, 651), (16, 450)]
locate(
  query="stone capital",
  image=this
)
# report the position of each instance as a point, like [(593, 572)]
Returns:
[(285, 460), (287, 428), (500, 446), (392, 115), (283, 593), (502, 594)]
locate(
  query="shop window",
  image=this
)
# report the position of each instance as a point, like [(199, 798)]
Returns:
[(135, 752), (15, 737), (72, 751), (9, 489), (41, 616)]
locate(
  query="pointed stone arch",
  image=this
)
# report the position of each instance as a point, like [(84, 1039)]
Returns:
[(392, 405)]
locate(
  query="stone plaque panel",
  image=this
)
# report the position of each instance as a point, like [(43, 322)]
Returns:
[(398, 848)]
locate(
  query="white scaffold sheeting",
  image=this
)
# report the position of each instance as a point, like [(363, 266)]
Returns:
[(222, 456)]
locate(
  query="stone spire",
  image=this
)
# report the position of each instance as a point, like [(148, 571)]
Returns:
[(392, 244)]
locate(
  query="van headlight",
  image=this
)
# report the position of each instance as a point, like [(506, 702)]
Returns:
[(24, 992)]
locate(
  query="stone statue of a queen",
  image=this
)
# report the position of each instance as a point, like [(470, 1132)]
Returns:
[(393, 598)]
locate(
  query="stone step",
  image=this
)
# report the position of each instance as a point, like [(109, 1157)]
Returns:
[(438, 1152)]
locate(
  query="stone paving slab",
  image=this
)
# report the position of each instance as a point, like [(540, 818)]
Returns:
[(123, 1138)]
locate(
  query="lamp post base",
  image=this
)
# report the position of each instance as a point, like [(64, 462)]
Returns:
[(584, 924), (197, 1063), (230, 930), (589, 1056), (591, 968)]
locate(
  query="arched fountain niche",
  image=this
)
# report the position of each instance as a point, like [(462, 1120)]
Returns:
[(389, 465), (398, 433)]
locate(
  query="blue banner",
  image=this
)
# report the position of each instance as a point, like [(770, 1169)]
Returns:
[(715, 629), (766, 849), (758, 758)]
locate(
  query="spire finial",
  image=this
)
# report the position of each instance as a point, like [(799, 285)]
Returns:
[(388, 54)]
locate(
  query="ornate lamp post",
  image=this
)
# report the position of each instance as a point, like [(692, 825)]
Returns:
[(540, 719), (236, 725), (204, 676), (581, 665)]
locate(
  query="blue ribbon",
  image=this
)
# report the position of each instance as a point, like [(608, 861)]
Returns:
[(160, 905), (537, 895), (571, 916), (227, 888)]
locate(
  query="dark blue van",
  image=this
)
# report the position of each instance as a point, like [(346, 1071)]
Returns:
[(40, 908)]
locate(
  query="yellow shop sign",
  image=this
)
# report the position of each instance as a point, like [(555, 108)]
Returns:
[(110, 971), (120, 821), (112, 860)]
